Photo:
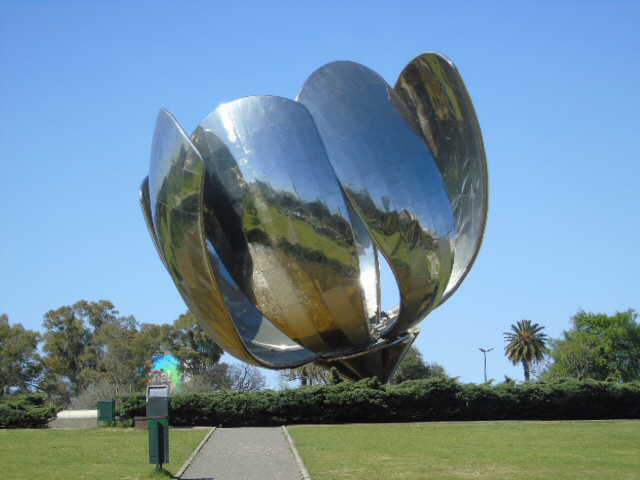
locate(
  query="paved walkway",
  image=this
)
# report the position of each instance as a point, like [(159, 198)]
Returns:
[(244, 454)]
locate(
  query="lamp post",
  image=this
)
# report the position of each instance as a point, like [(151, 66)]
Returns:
[(484, 352)]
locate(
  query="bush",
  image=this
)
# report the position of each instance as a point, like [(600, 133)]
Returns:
[(25, 411), (88, 398), (129, 406), (438, 398)]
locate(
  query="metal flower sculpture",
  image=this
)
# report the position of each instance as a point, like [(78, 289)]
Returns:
[(274, 216)]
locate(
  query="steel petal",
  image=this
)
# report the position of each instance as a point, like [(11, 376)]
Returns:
[(389, 176), (145, 204), (278, 217), (441, 109), (175, 198)]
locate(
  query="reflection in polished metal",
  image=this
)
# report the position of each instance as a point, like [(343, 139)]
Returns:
[(273, 216)]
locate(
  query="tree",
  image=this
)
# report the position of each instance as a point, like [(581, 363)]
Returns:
[(91, 348), (413, 367), (118, 362), (153, 338), (598, 346), (215, 378), (194, 347), (20, 364), (200, 359), (150, 340), (66, 341), (95, 314), (246, 377), (89, 343), (526, 344)]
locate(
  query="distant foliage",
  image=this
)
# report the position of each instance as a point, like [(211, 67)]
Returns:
[(246, 377), (25, 411), (92, 351), (21, 367), (89, 342), (214, 378), (598, 346), (196, 350), (88, 350), (437, 398), (223, 376), (88, 398), (413, 367)]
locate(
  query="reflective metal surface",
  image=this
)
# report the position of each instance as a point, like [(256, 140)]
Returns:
[(269, 169), (175, 190), (145, 204), (272, 217), (441, 108), (381, 357), (175, 195), (390, 177)]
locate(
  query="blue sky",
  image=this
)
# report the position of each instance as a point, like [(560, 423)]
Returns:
[(554, 85)]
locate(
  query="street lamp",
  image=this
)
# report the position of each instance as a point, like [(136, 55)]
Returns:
[(484, 352)]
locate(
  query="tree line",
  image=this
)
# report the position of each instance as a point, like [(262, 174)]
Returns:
[(597, 346), (88, 350)]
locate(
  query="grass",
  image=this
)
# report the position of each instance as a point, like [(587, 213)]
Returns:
[(96, 453), (462, 450)]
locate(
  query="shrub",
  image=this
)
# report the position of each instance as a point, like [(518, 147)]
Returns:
[(129, 406), (25, 411), (438, 398), (88, 398)]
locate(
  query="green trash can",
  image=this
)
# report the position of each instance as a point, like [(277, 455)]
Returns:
[(107, 410)]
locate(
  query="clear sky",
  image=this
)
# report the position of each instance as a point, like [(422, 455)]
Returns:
[(555, 86)]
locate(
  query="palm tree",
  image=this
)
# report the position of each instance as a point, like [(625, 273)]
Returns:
[(525, 344)]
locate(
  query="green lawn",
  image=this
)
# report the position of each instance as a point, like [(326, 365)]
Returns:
[(92, 454), (462, 450)]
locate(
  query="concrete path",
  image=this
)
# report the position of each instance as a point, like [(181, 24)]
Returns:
[(244, 454)]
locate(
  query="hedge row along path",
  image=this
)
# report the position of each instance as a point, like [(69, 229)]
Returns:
[(365, 401), (248, 453)]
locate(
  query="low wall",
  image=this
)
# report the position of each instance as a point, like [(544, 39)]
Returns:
[(75, 419)]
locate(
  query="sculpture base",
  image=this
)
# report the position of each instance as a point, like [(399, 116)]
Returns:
[(380, 361)]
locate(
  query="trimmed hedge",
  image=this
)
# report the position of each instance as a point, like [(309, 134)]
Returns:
[(25, 411), (415, 400)]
